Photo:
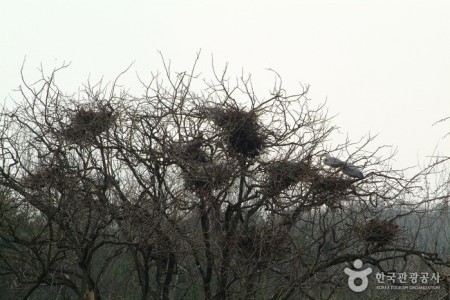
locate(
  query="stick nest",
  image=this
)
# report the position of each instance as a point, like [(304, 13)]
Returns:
[(241, 130), (87, 123), (284, 174), (380, 232), (331, 185), (191, 152), (48, 177), (329, 190), (206, 177), (261, 243)]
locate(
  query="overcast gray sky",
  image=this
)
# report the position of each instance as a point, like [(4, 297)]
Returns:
[(382, 66)]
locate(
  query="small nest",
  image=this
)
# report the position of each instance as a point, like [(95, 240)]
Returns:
[(241, 130), (261, 243), (206, 177), (330, 190), (335, 186), (86, 124), (380, 232), (191, 152), (48, 177), (284, 174)]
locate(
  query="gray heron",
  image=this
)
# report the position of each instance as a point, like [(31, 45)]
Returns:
[(346, 168)]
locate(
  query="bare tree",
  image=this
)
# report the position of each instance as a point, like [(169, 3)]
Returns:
[(211, 193)]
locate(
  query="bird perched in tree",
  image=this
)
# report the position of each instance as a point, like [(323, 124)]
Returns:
[(346, 168), (352, 171), (333, 161)]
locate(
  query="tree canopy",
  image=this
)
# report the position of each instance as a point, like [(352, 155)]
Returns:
[(211, 192)]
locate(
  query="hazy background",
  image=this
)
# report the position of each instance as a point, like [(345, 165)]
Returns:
[(382, 66)]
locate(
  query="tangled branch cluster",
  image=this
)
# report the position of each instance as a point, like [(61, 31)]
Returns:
[(195, 195)]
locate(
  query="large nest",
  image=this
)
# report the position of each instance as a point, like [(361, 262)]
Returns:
[(242, 132), (331, 185), (330, 190), (284, 174), (206, 177), (87, 123), (261, 243), (379, 232)]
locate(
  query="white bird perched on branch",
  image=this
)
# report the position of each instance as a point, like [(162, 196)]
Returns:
[(347, 168)]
